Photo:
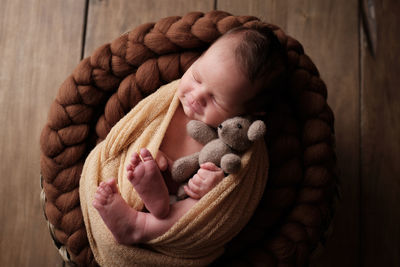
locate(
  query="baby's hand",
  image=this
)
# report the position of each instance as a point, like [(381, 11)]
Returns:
[(207, 177)]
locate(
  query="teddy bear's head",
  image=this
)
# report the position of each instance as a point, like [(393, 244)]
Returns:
[(239, 133)]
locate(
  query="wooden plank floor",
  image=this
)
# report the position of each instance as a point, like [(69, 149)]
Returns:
[(380, 146), (40, 44), (42, 41)]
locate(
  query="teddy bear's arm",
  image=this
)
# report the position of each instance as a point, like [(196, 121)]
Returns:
[(201, 132), (230, 163)]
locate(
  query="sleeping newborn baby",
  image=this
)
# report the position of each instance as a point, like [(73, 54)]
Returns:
[(235, 76)]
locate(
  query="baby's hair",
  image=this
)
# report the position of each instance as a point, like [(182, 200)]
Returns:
[(263, 60)]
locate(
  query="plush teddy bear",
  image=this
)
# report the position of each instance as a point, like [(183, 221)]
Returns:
[(222, 146)]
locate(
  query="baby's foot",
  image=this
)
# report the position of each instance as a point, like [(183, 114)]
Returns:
[(122, 220), (148, 181)]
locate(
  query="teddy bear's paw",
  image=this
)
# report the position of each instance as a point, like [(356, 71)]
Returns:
[(230, 163), (184, 167)]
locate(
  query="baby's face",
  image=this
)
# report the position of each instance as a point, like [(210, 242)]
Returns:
[(214, 89)]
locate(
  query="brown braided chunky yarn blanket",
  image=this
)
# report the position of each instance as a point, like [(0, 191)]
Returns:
[(297, 205)]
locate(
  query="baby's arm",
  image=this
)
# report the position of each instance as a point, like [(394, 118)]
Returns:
[(207, 177)]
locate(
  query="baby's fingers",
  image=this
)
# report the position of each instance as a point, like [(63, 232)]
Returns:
[(190, 192), (210, 166), (161, 161), (195, 183)]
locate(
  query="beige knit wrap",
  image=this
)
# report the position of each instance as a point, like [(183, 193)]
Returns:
[(199, 236)]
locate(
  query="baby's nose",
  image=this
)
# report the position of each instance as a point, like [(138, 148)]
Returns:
[(202, 102), (199, 98)]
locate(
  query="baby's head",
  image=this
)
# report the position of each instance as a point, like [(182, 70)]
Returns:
[(237, 75)]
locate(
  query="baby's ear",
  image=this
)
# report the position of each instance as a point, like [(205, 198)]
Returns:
[(256, 130)]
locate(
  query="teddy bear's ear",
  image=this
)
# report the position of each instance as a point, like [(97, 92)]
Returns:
[(256, 130)]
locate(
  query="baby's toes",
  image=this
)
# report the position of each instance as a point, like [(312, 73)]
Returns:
[(102, 191), (111, 187), (146, 155), (137, 174), (135, 160), (130, 175), (99, 199)]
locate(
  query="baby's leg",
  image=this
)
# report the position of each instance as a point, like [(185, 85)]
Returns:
[(148, 181), (128, 225), (155, 227), (124, 222)]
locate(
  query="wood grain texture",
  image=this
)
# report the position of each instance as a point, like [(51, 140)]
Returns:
[(109, 19), (270, 11), (380, 146), (328, 31), (40, 44)]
